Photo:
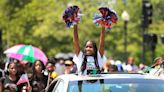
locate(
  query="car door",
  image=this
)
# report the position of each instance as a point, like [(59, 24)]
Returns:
[(59, 87), (56, 86)]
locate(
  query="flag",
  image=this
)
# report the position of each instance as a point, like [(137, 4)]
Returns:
[(23, 79)]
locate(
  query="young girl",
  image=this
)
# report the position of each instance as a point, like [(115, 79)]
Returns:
[(39, 80), (92, 57), (11, 78)]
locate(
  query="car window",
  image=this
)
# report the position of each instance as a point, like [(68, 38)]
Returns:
[(59, 86), (117, 85)]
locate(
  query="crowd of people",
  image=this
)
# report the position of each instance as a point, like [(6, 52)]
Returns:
[(36, 79), (40, 75)]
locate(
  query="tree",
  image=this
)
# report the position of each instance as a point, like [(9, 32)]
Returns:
[(39, 22)]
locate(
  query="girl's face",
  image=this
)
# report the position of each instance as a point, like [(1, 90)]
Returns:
[(12, 69), (89, 50), (38, 67)]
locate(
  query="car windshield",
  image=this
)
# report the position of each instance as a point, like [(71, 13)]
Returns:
[(117, 85)]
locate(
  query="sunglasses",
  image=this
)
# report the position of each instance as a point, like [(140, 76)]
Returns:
[(67, 64)]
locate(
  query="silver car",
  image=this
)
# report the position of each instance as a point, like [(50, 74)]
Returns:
[(107, 83)]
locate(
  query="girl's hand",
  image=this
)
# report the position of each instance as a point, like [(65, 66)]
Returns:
[(13, 87), (29, 88), (103, 23)]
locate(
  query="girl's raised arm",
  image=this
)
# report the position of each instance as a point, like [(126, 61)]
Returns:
[(76, 40), (102, 43)]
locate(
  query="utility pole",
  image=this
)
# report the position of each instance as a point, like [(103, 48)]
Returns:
[(125, 17), (146, 21), (1, 50)]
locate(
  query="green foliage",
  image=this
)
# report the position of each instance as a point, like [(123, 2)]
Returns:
[(40, 23)]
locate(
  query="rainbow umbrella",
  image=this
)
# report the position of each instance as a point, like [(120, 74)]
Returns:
[(26, 52)]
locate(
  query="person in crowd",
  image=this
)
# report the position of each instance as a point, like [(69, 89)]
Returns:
[(2, 77), (113, 68), (59, 66), (50, 72), (119, 65), (91, 58), (110, 67), (69, 67), (1, 86), (106, 66), (131, 67), (142, 66), (158, 62), (39, 80), (50, 66), (23, 67), (11, 77), (158, 67)]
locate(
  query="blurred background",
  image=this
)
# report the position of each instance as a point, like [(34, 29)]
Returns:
[(138, 33)]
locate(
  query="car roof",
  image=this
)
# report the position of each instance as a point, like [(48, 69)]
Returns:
[(75, 77)]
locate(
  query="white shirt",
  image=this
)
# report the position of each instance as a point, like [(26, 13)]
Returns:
[(90, 61)]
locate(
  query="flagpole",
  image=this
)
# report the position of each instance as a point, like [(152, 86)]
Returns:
[(28, 84)]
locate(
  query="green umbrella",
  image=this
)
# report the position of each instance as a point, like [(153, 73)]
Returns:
[(28, 53)]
